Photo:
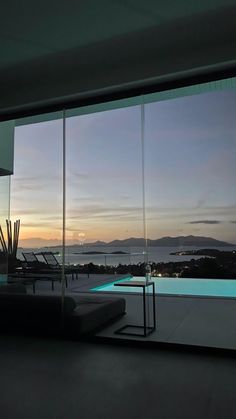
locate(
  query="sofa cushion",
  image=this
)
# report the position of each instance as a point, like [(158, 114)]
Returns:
[(38, 313), (93, 312)]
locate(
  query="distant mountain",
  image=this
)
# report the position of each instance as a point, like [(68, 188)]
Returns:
[(99, 243), (195, 241), (172, 241), (189, 241), (132, 241)]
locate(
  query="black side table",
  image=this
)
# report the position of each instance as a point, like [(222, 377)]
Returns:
[(147, 330)]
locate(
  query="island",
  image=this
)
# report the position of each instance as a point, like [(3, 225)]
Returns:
[(210, 264)]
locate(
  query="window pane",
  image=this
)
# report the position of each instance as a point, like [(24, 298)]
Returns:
[(36, 194), (104, 191), (190, 186)]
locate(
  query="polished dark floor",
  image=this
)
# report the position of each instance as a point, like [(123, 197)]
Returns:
[(56, 379)]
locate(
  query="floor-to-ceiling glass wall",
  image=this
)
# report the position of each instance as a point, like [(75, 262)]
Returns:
[(104, 190), (136, 189), (190, 195), (37, 199), (105, 228)]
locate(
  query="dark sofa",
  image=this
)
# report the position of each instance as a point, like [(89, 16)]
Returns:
[(43, 313)]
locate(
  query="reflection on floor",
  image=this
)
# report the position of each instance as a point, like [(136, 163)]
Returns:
[(206, 322), (56, 379)]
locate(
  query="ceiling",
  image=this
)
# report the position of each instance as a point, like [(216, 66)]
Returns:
[(55, 51)]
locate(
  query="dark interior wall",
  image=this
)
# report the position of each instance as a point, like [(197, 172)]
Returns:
[(191, 45), (6, 148)]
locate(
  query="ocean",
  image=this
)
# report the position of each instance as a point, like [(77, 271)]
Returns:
[(134, 255)]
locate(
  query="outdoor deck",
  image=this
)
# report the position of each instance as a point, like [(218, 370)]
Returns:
[(202, 322)]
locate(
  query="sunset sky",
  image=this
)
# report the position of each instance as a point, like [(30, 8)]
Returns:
[(190, 172)]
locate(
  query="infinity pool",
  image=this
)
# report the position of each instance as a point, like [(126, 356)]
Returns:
[(179, 286)]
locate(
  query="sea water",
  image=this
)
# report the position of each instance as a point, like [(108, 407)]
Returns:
[(133, 255)]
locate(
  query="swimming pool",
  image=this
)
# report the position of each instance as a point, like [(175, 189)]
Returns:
[(179, 286), (3, 278)]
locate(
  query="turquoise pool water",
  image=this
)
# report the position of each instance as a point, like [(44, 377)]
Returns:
[(3, 278), (180, 286)]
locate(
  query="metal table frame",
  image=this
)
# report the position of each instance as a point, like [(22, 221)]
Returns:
[(147, 330)]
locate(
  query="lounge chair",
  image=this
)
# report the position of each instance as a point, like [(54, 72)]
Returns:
[(35, 270), (53, 263), (30, 257), (31, 261)]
